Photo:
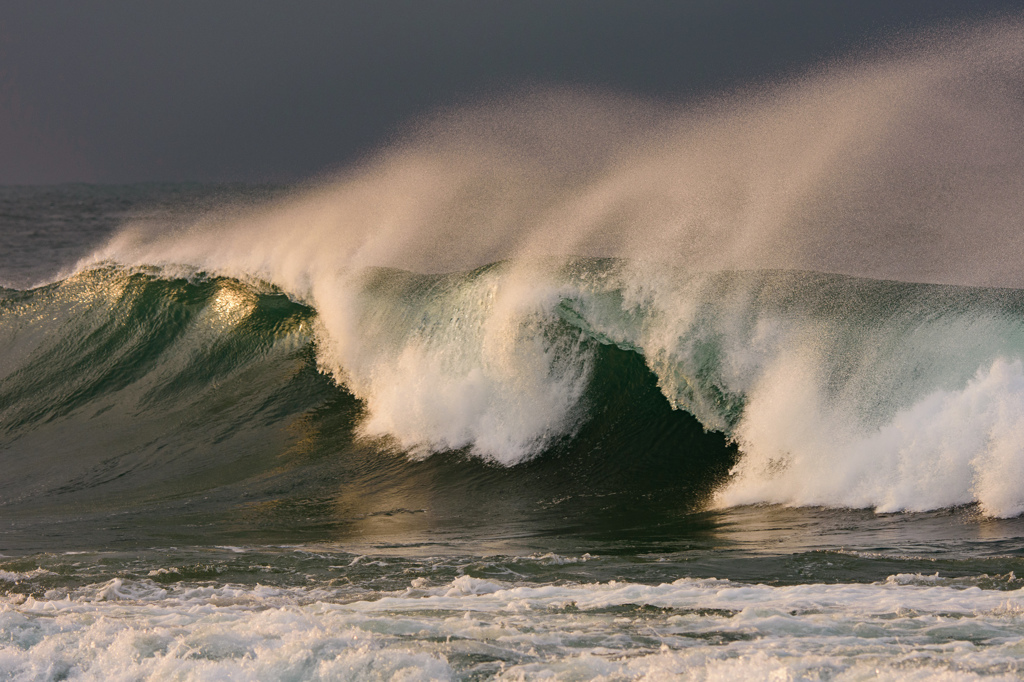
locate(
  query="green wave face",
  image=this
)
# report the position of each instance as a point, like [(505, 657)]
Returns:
[(120, 387), (200, 406), (586, 396)]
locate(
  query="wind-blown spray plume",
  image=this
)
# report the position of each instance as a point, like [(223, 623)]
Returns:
[(691, 235)]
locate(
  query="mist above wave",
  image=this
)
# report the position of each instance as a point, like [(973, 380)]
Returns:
[(906, 163)]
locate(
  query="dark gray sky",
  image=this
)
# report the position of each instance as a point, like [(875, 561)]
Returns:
[(123, 91)]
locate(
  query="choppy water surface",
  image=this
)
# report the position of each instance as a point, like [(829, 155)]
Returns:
[(319, 612)]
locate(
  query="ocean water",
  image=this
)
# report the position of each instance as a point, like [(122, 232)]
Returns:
[(559, 387)]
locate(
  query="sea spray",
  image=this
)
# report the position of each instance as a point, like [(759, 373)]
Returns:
[(903, 164), (949, 448), (477, 360), (845, 392)]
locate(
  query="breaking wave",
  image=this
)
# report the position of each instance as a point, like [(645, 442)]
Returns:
[(571, 272), (837, 391)]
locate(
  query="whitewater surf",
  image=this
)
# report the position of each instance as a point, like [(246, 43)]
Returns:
[(565, 385)]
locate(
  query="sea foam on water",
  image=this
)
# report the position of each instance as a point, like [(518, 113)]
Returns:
[(907, 627)]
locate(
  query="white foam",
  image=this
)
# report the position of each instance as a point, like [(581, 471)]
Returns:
[(481, 373), (950, 447), (18, 576), (905, 628)]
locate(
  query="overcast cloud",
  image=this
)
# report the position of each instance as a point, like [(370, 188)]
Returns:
[(124, 91)]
